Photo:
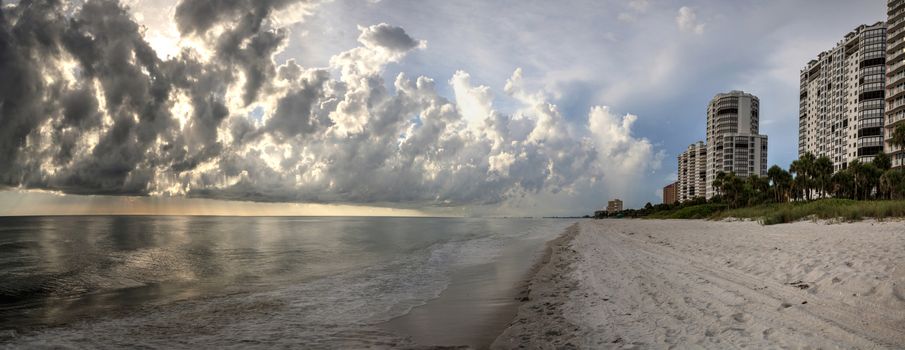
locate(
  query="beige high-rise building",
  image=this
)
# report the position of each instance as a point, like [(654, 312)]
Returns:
[(841, 98), (733, 142), (692, 172), (895, 75)]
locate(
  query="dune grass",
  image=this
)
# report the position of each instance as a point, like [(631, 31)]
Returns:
[(827, 209), (702, 211)]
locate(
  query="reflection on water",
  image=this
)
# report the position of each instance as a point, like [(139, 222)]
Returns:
[(73, 273)]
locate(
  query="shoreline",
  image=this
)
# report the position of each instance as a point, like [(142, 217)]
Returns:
[(480, 301), (714, 285), (546, 281)]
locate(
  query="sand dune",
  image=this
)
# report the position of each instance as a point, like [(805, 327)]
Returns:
[(661, 284)]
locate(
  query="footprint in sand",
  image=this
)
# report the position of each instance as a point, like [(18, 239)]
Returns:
[(767, 333), (741, 317)]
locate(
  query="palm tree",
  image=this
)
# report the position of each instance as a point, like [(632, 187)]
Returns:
[(883, 164), (759, 187), (842, 183), (733, 189), (780, 183), (866, 178), (873, 175), (892, 183), (882, 161), (822, 171), (773, 174), (803, 168), (718, 182), (855, 169), (898, 136)]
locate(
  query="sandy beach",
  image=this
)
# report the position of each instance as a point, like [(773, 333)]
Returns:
[(663, 284)]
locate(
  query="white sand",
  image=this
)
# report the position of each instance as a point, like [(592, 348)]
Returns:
[(693, 284)]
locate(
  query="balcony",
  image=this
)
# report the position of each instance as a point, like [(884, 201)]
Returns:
[(896, 33), (893, 56), (894, 68), (895, 92), (896, 44)]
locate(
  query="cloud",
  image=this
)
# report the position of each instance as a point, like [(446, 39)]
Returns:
[(380, 44), (635, 7), (388, 37), (475, 103), (687, 20), (639, 5), (626, 17), (94, 110)]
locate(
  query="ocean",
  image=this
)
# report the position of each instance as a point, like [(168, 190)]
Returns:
[(262, 282)]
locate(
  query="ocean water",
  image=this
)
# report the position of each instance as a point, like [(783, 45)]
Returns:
[(217, 282)]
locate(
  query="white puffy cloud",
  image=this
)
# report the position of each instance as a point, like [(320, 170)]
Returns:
[(475, 103)]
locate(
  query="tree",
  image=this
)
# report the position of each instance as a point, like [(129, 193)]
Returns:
[(822, 172), (882, 162), (780, 183), (873, 180), (843, 184), (718, 182), (865, 178), (803, 168), (855, 168), (898, 136), (892, 183), (733, 190), (757, 190)]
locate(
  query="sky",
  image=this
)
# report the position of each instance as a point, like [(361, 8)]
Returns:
[(392, 107)]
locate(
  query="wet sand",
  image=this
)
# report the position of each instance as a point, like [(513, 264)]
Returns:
[(479, 303)]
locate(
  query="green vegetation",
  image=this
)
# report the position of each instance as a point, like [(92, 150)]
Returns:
[(826, 209), (700, 211), (809, 189)]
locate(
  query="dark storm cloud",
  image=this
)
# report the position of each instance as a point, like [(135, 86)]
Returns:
[(110, 53), (34, 36), (247, 43), (297, 111), (199, 16)]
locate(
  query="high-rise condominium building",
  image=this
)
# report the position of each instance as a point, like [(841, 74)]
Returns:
[(692, 172), (733, 142), (895, 75), (841, 98)]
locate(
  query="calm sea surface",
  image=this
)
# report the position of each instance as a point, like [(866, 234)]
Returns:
[(180, 282)]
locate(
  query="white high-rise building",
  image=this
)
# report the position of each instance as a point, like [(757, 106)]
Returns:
[(842, 101), (733, 142), (692, 172), (895, 75)]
